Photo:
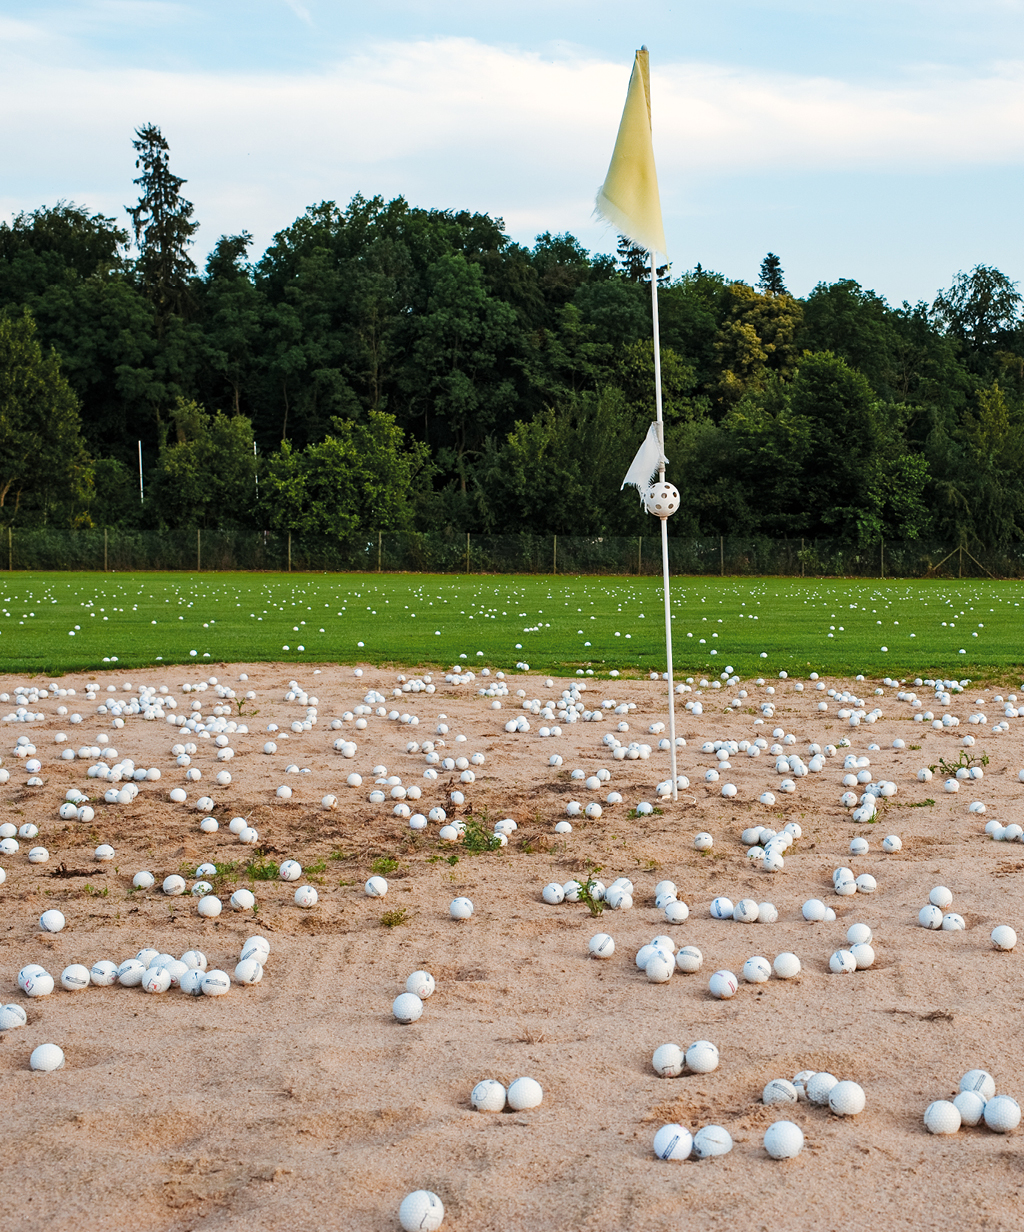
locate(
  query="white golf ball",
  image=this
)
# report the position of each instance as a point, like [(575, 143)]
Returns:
[(863, 954), (819, 1087), (52, 921), (971, 1107), (786, 965), (779, 1091), (12, 1017), (243, 900), (892, 843), (553, 894), (601, 946), (767, 913), (488, 1096), (524, 1093), (75, 977), (669, 1060), (842, 962), (722, 908), (290, 870), (676, 911), (191, 982), (813, 910), (460, 909), (103, 973), (723, 985), (248, 971), (143, 881), (1003, 937), (941, 897), (659, 967), (306, 896), (376, 887), (757, 970), (783, 1140), (173, 885), (216, 983), (689, 959), (846, 1099), (407, 1007), (745, 911), (942, 1117), (930, 916), (130, 973), (711, 1141), (421, 1211), (702, 1057), (46, 1058), (421, 983), (673, 1142), (210, 906), (156, 980), (857, 934), (979, 1080)]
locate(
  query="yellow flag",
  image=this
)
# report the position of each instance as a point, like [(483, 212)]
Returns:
[(628, 198)]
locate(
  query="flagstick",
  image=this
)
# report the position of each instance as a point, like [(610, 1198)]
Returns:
[(664, 526)]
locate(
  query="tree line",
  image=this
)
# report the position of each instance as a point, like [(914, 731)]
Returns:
[(382, 367)]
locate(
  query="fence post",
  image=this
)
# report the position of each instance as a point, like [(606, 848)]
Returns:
[(639, 554), (801, 558), (467, 551), (104, 549), (199, 551), (721, 554), (881, 555), (380, 536), (554, 553), (10, 552), (289, 551), (961, 560)]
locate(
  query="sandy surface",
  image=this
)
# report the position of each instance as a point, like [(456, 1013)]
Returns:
[(301, 1102)]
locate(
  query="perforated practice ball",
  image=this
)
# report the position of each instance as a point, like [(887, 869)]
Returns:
[(421, 1211), (662, 500)]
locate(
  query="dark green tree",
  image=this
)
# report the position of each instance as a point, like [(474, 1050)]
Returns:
[(44, 465), (771, 280), (163, 226), (981, 310)]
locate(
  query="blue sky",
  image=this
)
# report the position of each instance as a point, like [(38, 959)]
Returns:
[(880, 141)]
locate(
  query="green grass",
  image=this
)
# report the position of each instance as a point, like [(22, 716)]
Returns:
[(555, 624)]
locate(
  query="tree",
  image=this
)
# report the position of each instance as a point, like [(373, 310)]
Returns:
[(635, 263), (771, 281), (163, 226), (981, 309), (207, 475), (43, 459), (359, 477)]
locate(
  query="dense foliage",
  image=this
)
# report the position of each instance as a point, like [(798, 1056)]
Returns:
[(387, 367)]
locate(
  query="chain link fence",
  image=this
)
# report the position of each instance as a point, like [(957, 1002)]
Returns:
[(451, 551)]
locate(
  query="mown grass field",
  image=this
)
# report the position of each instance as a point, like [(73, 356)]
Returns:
[(57, 622)]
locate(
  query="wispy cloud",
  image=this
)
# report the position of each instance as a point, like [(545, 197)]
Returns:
[(457, 122), (300, 11)]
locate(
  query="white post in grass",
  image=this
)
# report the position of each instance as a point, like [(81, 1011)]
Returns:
[(664, 527)]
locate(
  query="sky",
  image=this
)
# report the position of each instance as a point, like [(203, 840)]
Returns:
[(878, 140)]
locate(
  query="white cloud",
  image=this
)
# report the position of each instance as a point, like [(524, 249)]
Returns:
[(458, 123)]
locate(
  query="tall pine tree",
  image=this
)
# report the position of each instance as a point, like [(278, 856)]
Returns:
[(770, 282), (163, 227)]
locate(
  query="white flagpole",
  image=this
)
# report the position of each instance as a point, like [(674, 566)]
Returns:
[(664, 526)]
